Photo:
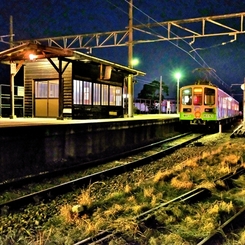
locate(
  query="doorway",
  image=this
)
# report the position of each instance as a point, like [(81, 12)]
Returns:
[(46, 98)]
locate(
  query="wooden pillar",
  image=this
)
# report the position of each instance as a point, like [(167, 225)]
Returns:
[(12, 74), (61, 91)]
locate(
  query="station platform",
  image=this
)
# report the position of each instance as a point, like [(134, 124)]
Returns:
[(29, 146), (16, 122)]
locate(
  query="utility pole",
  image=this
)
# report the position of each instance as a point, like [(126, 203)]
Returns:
[(130, 57), (12, 72), (160, 96)]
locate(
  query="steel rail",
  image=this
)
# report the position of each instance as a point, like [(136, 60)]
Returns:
[(82, 166), (192, 196), (52, 192), (218, 236)]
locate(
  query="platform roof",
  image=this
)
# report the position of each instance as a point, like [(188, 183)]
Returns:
[(22, 53)]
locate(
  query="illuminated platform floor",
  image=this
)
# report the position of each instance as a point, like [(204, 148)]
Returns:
[(16, 122)]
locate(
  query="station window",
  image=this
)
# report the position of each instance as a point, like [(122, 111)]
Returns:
[(82, 92), (118, 96), (41, 89), (77, 92), (96, 94), (87, 94), (209, 96), (105, 94), (112, 95), (53, 89), (186, 96), (47, 89), (197, 96), (115, 96)]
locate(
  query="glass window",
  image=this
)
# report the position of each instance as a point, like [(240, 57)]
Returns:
[(105, 93), (229, 104), (41, 89), (118, 96), (87, 93), (82, 92), (224, 102), (197, 96), (77, 92), (96, 94), (187, 96), (209, 96), (53, 89), (112, 95), (115, 95)]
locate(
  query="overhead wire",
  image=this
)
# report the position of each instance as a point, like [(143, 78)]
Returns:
[(187, 52), (203, 64)]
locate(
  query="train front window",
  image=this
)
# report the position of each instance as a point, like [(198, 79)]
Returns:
[(186, 96), (197, 96), (209, 96)]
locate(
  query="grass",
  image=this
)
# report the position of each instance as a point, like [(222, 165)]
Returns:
[(96, 208)]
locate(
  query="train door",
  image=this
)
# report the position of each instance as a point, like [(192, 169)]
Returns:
[(47, 98)]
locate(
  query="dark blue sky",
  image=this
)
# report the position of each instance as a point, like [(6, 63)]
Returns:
[(49, 18)]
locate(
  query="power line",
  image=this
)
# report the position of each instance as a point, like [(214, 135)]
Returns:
[(205, 65)]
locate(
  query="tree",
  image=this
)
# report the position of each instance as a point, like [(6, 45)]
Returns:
[(151, 91)]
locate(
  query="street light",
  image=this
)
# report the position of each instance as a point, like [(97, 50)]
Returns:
[(177, 76), (135, 62)]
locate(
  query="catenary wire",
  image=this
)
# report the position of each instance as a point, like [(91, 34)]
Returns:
[(185, 51)]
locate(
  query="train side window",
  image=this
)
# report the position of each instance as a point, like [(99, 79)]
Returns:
[(187, 96), (209, 96), (197, 96)]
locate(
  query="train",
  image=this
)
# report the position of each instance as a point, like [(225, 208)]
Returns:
[(204, 104)]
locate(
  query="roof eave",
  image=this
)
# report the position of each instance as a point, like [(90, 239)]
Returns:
[(82, 56)]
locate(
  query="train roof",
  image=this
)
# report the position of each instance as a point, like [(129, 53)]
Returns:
[(204, 82)]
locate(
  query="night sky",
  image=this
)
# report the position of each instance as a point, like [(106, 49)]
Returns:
[(50, 18)]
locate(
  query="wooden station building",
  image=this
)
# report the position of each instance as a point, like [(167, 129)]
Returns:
[(62, 83)]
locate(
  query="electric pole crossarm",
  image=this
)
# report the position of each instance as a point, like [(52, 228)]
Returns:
[(185, 29), (193, 28), (2, 38), (93, 40), (222, 25)]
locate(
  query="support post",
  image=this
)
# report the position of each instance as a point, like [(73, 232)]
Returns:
[(61, 92), (220, 128), (130, 56), (160, 96), (12, 72), (177, 96)]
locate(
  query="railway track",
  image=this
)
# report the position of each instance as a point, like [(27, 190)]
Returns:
[(149, 217), (218, 237), (161, 149), (16, 183)]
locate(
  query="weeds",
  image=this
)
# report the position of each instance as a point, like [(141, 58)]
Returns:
[(99, 208)]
